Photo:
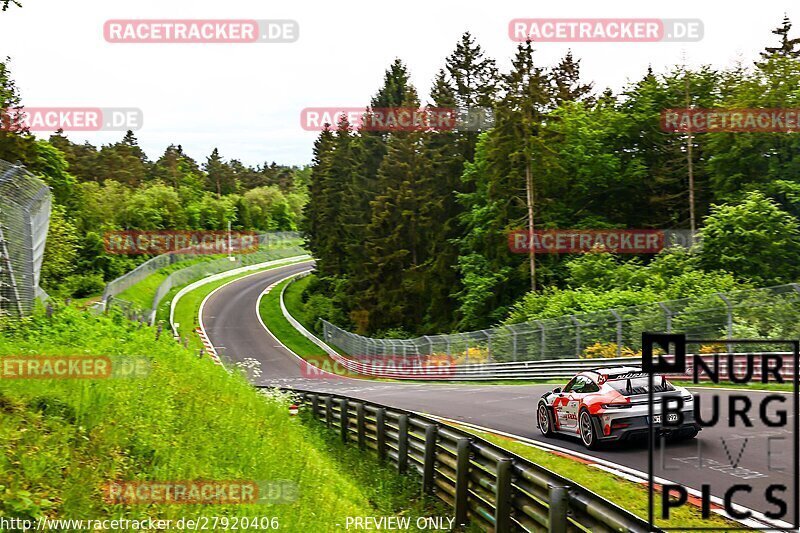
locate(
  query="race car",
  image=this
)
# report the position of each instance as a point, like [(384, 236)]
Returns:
[(611, 404)]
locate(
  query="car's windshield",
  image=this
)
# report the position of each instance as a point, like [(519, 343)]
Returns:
[(581, 384)]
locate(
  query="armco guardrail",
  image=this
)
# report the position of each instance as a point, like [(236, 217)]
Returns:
[(485, 484)]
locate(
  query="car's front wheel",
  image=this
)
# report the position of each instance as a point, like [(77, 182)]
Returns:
[(544, 420), (587, 430)]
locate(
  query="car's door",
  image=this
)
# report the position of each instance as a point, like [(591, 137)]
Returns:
[(560, 404), (572, 402)]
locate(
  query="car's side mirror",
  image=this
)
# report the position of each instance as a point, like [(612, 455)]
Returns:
[(557, 390)]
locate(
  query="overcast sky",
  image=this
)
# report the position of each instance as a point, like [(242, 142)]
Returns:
[(246, 99)]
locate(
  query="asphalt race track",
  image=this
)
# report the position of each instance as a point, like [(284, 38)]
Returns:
[(234, 329)]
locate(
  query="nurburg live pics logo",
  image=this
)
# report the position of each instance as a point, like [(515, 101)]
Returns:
[(779, 503)]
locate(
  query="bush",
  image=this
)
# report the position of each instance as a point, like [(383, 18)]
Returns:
[(82, 285), (606, 350)]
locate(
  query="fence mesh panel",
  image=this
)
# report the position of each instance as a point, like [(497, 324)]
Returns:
[(25, 203), (278, 239), (272, 246), (772, 312)]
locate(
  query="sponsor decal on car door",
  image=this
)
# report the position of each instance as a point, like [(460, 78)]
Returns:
[(560, 406), (574, 402)]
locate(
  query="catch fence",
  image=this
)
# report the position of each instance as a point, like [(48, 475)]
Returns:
[(772, 312), (274, 245), (25, 203)]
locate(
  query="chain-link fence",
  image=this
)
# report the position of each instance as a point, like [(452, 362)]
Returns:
[(274, 245), (202, 270), (772, 312), (278, 239), (25, 204)]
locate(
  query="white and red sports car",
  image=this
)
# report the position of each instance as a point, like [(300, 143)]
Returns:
[(611, 404)]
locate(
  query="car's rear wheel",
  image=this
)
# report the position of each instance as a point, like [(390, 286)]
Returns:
[(587, 430), (544, 420)]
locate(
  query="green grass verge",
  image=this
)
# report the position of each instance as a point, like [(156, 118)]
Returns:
[(188, 307), (187, 419), (627, 494), (293, 299), (270, 310)]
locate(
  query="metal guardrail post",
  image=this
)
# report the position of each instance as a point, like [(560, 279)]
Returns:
[(559, 502), (329, 411), (542, 340), (667, 316), (577, 324), (619, 331), (402, 444), (729, 318), (314, 405), (344, 419), (462, 481), (362, 438), (502, 496), (380, 432), (429, 465), (514, 345)]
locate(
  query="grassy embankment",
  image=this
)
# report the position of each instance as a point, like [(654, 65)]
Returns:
[(187, 419), (270, 310)]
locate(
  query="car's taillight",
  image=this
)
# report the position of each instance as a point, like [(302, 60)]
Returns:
[(616, 406)]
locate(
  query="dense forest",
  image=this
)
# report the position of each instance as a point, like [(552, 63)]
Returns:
[(116, 187), (410, 227)]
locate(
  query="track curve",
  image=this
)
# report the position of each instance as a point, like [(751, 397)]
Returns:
[(232, 325)]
